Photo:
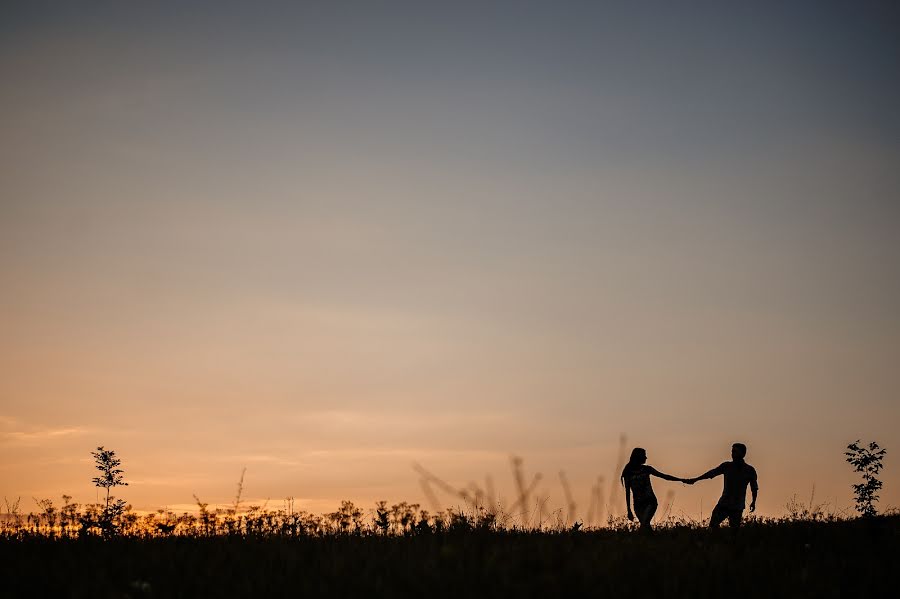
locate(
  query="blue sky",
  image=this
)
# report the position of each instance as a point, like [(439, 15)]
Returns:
[(327, 240)]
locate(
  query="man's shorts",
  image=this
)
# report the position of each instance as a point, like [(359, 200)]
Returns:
[(722, 512)]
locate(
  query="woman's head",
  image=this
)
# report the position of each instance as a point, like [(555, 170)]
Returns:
[(638, 458)]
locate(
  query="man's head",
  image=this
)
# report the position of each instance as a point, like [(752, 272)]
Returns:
[(738, 451)]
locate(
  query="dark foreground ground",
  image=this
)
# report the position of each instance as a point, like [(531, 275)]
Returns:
[(798, 559)]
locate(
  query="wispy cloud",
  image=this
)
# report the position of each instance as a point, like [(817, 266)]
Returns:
[(7, 421), (254, 458), (404, 452), (270, 503), (41, 435), (166, 481), (405, 419)]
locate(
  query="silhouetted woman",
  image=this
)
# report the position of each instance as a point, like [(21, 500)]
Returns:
[(636, 479)]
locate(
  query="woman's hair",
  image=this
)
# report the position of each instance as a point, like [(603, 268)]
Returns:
[(637, 455)]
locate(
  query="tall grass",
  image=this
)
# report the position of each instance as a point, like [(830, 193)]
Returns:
[(73, 520), (481, 548), (278, 555)]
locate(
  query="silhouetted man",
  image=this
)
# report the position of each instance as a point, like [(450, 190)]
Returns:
[(738, 474)]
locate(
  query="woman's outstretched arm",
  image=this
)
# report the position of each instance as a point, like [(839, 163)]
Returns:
[(663, 475)]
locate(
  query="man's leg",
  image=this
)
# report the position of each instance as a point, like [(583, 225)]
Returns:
[(734, 518), (718, 516)]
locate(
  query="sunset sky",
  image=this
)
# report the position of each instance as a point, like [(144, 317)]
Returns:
[(326, 241)]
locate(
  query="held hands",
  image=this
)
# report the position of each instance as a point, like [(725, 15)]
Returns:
[(688, 481)]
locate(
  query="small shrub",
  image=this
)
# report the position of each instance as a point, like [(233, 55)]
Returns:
[(868, 462), (110, 476)]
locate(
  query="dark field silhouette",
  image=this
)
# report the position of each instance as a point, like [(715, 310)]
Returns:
[(107, 550), (787, 558)]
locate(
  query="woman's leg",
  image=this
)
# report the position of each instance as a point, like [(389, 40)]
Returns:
[(645, 514)]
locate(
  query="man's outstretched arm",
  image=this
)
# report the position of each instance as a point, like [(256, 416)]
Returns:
[(710, 474)]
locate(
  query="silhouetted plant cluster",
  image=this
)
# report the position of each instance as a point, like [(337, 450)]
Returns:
[(402, 519)]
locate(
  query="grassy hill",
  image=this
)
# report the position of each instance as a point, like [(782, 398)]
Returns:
[(846, 558)]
